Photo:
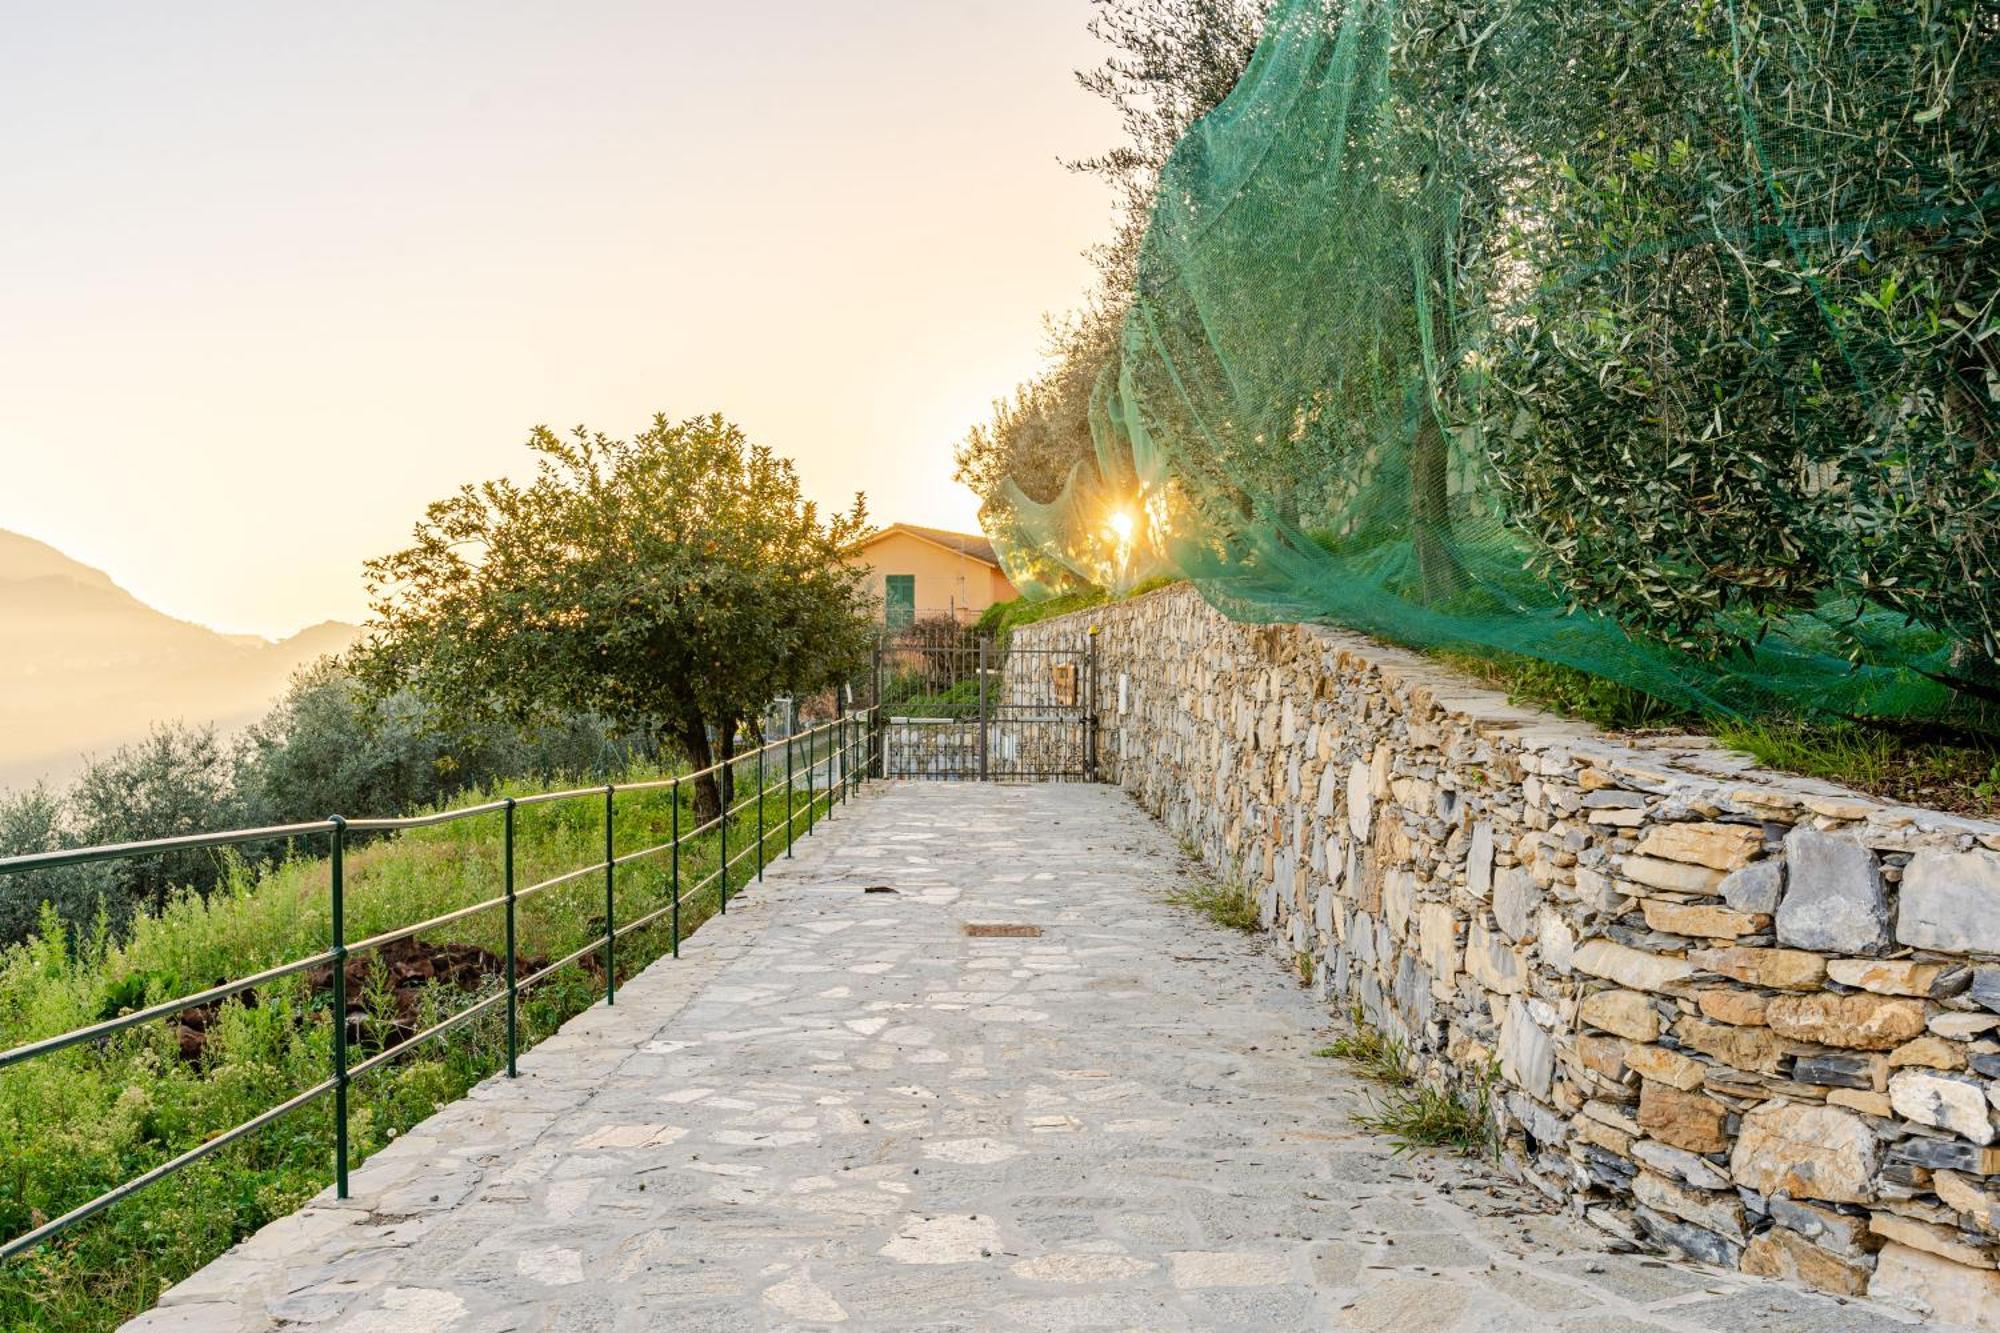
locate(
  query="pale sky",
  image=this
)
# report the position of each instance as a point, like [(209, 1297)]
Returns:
[(274, 276)]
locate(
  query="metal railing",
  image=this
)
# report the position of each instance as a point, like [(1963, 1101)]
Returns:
[(837, 750)]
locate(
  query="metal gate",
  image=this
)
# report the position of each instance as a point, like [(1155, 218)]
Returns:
[(958, 706)]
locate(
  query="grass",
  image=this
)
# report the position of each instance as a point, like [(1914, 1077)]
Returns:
[(80, 1121), (1373, 1053), (1002, 618), (1412, 1114), (1225, 904), (1954, 769), (1421, 1116), (1957, 773), (1570, 692)]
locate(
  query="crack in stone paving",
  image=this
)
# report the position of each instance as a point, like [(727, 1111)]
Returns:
[(839, 1108)]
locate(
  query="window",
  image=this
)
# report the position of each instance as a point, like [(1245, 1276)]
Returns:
[(899, 604)]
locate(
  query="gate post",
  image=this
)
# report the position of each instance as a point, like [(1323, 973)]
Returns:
[(876, 759), (1090, 715), (984, 767)]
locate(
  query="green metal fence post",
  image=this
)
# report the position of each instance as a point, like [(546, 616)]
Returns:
[(722, 866), (338, 865), (760, 812), (791, 747), (610, 901), (513, 987), (677, 868), (810, 765)]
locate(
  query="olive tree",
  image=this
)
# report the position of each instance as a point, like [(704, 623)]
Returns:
[(673, 583), (1756, 371), (1167, 64)]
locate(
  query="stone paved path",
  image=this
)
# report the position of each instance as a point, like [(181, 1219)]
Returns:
[(839, 1108)]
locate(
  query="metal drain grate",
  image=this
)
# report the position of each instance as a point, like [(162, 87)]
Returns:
[(1002, 930)]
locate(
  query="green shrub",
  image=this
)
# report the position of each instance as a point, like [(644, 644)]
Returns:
[(1227, 905), (1003, 617), (1423, 1116), (1372, 1052), (325, 748)]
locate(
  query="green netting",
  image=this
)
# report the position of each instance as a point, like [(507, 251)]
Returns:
[(1655, 339)]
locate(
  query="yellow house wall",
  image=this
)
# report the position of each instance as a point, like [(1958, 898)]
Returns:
[(945, 579)]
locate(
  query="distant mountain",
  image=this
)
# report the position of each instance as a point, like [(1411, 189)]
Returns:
[(85, 666)]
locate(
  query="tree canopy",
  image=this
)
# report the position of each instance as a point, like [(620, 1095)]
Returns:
[(673, 583)]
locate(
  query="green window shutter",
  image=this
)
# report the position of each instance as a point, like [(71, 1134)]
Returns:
[(899, 606)]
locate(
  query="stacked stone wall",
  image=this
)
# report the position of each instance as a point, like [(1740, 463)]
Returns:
[(1751, 1017)]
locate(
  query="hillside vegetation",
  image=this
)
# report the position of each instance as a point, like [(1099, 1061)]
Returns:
[(83, 1120)]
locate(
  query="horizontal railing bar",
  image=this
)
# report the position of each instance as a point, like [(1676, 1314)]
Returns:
[(700, 886), (697, 832), (29, 1240), (644, 852), (765, 748), (543, 798), (77, 856), (458, 1019), (404, 932), (650, 784), (642, 922), (164, 1009), (563, 878), (425, 821), (594, 946)]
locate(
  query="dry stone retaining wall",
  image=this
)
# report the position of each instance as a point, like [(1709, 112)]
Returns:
[(1752, 1017)]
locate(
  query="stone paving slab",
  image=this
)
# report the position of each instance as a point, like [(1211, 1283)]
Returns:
[(840, 1108)]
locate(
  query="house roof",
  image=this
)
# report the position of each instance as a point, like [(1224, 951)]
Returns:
[(960, 543)]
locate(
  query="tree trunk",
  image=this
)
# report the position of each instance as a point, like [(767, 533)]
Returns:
[(1441, 576), (726, 758), (692, 733), (1438, 569)]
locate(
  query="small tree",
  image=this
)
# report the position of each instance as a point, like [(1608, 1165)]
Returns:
[(330, 744), (175, 782), (673, 583), (36, 820)]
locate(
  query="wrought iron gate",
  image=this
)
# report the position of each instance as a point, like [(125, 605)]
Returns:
[(957, 706)]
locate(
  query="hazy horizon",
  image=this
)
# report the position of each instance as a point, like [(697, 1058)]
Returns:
[(276, 279)]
